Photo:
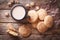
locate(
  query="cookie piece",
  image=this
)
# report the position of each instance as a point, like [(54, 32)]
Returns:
[(10, 3), (48, 21), (42, 13), (32, 4), (13, 33), (10, 27), (27, 6), (24, 31), (33, 16), (7, 14), (41, 27), (37, 8)]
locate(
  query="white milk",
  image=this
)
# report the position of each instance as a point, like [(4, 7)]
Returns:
[(18, 12)]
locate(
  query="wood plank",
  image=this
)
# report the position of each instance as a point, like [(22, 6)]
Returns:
[(52, 31), (51, 34), (32, 37), (3, 18), (3, 4)]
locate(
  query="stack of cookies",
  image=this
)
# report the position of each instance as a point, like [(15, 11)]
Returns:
[(40, 20), (11, 30)]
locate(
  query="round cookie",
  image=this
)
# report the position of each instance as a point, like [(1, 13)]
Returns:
[(33, 16), (48, 21), (24, 31), (42, 13), (41, 27)]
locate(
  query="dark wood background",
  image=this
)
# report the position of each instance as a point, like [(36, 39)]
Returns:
[(52, 9)]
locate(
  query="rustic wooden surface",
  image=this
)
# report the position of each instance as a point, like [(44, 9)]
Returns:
[(51, 34)]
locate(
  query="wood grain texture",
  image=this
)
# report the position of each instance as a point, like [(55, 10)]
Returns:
[(32, 37), (3, 17), (51, 34), (52, 31)]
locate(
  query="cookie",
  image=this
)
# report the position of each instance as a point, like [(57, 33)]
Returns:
[(41, 27), (7, 14), (13, 33), (32, 4), (10, 27), (33, 16), (37, 8), (42, 13), (24, 31), (48, 21), (10, 3), (27, 5)]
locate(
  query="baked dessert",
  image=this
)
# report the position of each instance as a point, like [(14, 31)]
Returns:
[(32, 4), (24, 31), (33, 16), (13, 33), (41, 27), (10, 27), (48, 21), (42, 13)]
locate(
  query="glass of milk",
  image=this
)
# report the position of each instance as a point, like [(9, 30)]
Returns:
[(18, 12)]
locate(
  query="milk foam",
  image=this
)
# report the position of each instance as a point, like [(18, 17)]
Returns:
[(18, 12)]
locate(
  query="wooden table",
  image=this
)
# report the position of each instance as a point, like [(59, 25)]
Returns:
[(52, 33)]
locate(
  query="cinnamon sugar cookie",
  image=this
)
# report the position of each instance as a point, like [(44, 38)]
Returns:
[(42, 13), (41, 27), (48, 21), (24, 31), (32, 4), (33, 16)]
